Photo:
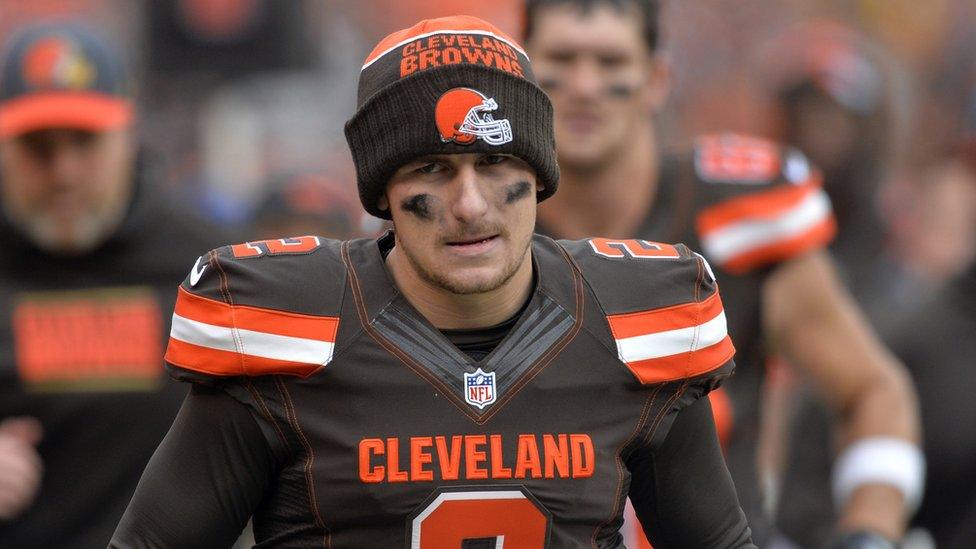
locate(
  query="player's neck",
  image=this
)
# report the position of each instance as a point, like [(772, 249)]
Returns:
[(446, 310), (610, 200)]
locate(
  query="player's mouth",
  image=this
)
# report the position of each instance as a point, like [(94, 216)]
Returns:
[(473, 245), (581, 122)]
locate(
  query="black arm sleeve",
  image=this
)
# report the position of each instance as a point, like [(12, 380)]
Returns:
[(205, 479), (682, 491)]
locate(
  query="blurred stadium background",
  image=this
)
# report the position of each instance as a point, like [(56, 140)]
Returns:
[(235, 92)]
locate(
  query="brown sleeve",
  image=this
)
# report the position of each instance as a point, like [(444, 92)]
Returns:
[(205, 479), (682, 491)]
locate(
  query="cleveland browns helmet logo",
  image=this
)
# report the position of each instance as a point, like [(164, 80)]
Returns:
[(464, 115), (57, 63)]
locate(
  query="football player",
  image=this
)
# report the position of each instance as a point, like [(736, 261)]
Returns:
[(458, 382), (758, 212)]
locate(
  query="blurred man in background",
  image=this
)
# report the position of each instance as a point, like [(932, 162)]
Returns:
[(758, 213), (834, 99), (90, 256), (926, 298), (937, 344)]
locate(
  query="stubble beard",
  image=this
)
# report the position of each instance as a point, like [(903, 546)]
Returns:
[(441, 280)]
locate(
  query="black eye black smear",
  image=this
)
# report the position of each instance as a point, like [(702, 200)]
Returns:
[(549, 84), (517, 191), (621, 90), (418, 205), (611, 90)]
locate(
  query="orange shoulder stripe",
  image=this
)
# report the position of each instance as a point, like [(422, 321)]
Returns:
[(683, 365), (816, 237), (221, 363), (760, 205), (685, 315), (271, 321)]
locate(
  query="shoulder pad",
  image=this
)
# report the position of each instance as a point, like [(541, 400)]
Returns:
[(258, 308), (762, 202), (662, 306)]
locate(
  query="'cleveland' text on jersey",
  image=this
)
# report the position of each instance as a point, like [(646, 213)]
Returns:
[(395, 438)]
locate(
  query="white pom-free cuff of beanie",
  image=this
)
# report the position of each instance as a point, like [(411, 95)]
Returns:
[(880, 460)]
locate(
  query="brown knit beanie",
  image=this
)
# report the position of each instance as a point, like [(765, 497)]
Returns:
[(448, 86)]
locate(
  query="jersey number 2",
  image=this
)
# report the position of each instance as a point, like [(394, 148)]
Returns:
[(295, 245), (481, 519), (637, 249)]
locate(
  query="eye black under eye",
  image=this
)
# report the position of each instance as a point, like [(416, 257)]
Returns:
[(612, 61), (561, 57), (419, 205)]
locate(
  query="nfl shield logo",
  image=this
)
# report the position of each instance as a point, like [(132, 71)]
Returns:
[(479, 388)]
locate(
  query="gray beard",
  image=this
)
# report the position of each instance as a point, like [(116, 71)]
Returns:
[(86, 233)]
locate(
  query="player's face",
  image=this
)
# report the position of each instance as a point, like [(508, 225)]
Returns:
[(602, 78), (463, 221), (66, 189)]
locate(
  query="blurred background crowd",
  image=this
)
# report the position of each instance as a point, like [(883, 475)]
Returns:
[(239, 97), (243, 102)]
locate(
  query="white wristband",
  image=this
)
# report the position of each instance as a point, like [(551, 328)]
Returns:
[(880, 460)]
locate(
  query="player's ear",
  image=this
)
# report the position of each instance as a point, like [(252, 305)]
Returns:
[(658, 83), (383, 203)]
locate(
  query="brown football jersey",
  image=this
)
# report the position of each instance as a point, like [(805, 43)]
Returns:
[(748, 204), (394, 438)]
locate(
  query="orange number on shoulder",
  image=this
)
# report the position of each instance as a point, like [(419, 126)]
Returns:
[(294, 245), (456, 520), (736, 159), (637, 249)]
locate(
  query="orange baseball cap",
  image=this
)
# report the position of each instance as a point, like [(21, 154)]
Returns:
[(61, 76)]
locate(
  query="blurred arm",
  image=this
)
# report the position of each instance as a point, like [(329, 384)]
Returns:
[(813, 321), (205, 479)]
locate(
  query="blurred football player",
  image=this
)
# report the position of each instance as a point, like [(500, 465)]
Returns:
[(757, 211)]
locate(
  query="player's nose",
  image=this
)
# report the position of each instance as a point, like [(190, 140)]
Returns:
[(469, 202), (583, 79)]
